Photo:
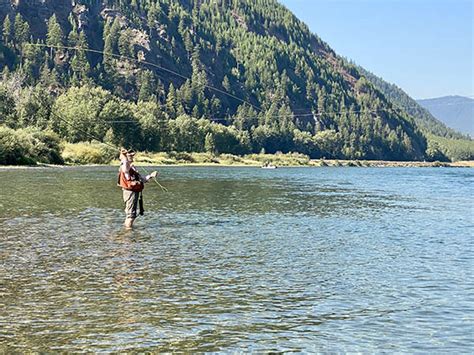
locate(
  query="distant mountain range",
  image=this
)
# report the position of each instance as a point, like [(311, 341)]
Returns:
[(456, 112)]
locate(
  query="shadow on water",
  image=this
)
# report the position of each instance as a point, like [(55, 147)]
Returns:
[(237, 260)]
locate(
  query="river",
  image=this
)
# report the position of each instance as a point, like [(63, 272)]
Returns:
[(238, 260)]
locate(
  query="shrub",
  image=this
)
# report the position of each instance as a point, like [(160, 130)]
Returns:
[(182, 156), (168, 161), (231, 158), (29, 146), (12, 150), (44, 147), (88, 153)]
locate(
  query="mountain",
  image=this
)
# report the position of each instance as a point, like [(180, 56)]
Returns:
[(423, 118), (443, 142), (454, 111), (225, 76)]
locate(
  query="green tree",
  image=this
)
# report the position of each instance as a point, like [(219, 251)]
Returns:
[(153, 125), (111, 38), (55, 35), (7, 30), (328, 143), (434, 152), (125, 44), (7, 107), (304, 143), (171, 101), (79, 63), (33, 107), (32, 61), (188, 134), (147, 86), (118, 115), (77, 114), (21, 31)]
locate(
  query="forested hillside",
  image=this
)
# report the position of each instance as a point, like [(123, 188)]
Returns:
[(223, 76), (423, 118)]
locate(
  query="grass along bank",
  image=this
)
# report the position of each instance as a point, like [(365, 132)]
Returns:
[(97, 153)]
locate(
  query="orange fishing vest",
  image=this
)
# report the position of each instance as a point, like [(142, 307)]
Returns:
[(134, 184)]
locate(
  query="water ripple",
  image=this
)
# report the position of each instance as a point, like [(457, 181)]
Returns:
[(241, 260)]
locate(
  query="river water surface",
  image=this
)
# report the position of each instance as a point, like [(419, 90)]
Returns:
[(238, 260)]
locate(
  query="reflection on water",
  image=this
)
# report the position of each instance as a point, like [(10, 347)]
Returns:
[(238, 259)]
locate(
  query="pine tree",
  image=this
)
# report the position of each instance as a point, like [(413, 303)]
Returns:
[(125, 45), (73, 36), (146, 86), (7, 30), (186, 95), (153, 16), (32, 56), (55, 36), (79, 63), (226, 84), (188, 42), (111, 38), (171, 102), (21, 31)]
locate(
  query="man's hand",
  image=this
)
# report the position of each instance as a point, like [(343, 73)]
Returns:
[(153, 174)]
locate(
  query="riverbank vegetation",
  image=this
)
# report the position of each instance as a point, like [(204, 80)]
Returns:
[(32, 147), (455, 149), (98, 153), (29, 146), (246, 79)]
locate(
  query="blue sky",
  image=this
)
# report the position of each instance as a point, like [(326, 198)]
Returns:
[(423, 46)]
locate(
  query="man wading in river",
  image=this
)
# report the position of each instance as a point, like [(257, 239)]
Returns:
[(132, 184)]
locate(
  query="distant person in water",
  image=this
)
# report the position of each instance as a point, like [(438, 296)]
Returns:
[(132, 184)]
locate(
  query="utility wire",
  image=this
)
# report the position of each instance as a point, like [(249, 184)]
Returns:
[(90, 135), (292, 115), (104, 53), (186, 78), (320, 113), (146, 63)]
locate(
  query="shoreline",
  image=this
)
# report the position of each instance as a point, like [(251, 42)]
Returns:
[(318, 163), (73, 154)]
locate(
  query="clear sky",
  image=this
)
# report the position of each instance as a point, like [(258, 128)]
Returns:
[(423, 46)]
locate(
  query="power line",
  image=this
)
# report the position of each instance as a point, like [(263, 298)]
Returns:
[(314, 114), (90, 135), (294, 115), (146, 63), (104, 53)]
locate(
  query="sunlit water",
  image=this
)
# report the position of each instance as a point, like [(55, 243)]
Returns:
[(238, 259)]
